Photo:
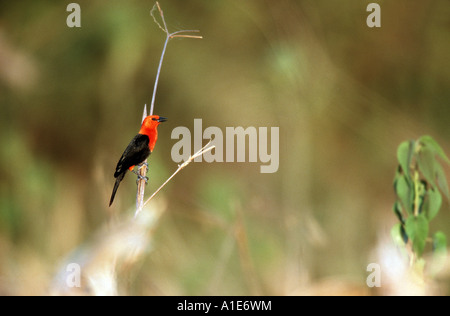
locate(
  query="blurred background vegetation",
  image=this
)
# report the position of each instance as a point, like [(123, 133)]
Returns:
[(344, 96)]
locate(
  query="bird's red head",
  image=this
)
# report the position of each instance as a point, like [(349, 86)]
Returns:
[(149, 128)]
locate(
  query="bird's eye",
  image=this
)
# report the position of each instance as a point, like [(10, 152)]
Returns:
[(154, 119)]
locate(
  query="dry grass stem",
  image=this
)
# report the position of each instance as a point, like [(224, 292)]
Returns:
[(143, 169), (142, 172), (205, 149)]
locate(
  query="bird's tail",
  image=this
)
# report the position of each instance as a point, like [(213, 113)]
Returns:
[(116, 186)]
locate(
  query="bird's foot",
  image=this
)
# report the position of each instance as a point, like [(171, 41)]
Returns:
[(141, 178), (135, 172)]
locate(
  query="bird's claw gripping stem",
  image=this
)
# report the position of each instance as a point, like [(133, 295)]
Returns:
[(141, 178), (139, 167)]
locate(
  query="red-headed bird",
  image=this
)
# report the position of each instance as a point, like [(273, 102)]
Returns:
[(140, 147)]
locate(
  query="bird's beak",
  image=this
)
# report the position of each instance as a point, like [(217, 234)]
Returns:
[(162, 119)]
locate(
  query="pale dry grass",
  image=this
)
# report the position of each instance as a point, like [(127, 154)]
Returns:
[(114, 249)]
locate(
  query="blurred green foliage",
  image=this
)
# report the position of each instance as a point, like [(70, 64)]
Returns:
[(418, 184), (343, 95)]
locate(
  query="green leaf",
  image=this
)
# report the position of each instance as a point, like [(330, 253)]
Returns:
[(439, 253), (397, 235), (442, 180), (429, 142), (405, 193), (417, 230), (439, 242), (427, 164), (398, 211), (404, 156), (433, 203)]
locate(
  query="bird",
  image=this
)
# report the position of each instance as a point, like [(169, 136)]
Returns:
[(140, 147)]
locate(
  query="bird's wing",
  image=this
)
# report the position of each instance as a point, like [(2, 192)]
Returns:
[(135, 153)]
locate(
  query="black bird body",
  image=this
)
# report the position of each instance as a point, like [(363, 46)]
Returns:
[(135, 153)]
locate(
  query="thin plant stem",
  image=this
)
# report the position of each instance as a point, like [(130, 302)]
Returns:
[(416, 193), (152, 105), (142, 172), (205, 149), (168, 37), (141, 182)]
